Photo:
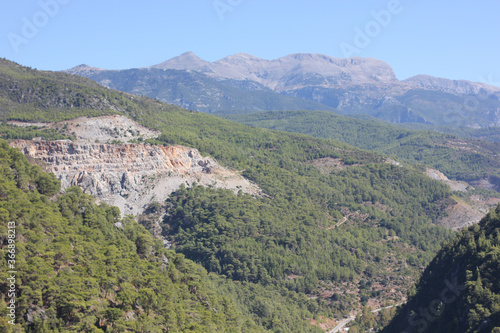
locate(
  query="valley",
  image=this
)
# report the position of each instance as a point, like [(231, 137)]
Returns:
[(273, 229), (231, 166)]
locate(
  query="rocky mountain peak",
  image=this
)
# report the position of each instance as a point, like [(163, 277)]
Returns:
[(238, 58), (452, 86), (348, 85), (340, 71), (276, 73), (83, 70), (185, 61)]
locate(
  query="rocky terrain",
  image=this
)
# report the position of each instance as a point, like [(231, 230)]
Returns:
[(108, 160), (463, 213), (348, 85), (456, 87), (287, 73), (127, 175), (453, 184), (104, 129)]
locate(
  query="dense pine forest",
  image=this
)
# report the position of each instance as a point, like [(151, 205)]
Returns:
[(83, 268), (459, 156), (335, 229), (459, 290)]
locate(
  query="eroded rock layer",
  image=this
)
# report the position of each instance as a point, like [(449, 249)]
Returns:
[(128, 175)]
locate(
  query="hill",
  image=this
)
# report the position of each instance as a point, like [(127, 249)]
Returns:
[(196, 91), (458, 158), (459, 290), (335, 228), (78, 266), (107, 158)]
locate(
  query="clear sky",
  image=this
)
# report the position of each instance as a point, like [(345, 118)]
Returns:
[(452, 39)]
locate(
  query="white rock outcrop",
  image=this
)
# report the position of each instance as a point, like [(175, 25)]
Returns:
[(129, 175)]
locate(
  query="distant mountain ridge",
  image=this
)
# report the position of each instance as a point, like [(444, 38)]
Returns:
[(197, 91), (278, 74), (348, 85), (451, 86)]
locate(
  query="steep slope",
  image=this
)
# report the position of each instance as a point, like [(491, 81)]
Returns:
[(129, 176), (459, 291), (78, 266)]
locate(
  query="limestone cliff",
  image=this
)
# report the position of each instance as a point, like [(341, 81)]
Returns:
[(129, 175)]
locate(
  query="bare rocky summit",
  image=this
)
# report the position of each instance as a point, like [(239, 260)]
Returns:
[(459, 87), (84, 69), (127, 175), (244, 82), (280, 74), (185, 61)]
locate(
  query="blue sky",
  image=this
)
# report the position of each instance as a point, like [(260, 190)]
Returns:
[(452, 39)]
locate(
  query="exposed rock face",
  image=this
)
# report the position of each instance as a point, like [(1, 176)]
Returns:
[(454, 185), (288, 73), (465, 212), (129, 176), (83, 69), (104, 129), (187, 60), (107, 128), (459, 87), (461, 215), (317, 82)]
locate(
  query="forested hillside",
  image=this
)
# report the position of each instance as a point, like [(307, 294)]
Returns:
[(80, 267), (195, 91), (337, 224), (458, 158), (459, 290)]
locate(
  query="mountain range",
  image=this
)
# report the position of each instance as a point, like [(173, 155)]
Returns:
[(244, 83), (329, 229), (235, 228)]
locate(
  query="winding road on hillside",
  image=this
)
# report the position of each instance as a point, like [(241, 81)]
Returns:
[(351, 318)]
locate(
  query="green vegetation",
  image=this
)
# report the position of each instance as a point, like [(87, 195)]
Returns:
[(263, 240), (83, 268), (487, 133), (304, 201), (330, 216), (307, 90), (491, 133), (367, 320), (10, 132), (197, 91), (30, 95), (459, 290), (461, 159)]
